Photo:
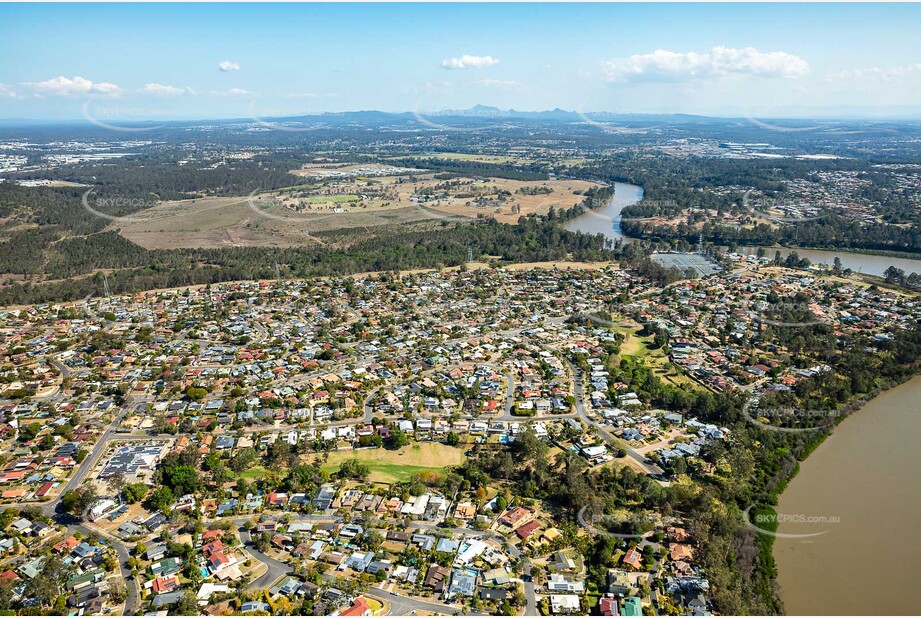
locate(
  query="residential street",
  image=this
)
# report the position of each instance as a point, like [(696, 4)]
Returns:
[(647, 467)]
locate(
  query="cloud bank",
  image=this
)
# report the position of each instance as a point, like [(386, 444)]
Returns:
[(165, 89), (469, 62), (668, 66), (886, 74), (78, 86)]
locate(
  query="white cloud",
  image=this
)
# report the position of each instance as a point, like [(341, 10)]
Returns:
[(78, 86), (164, 89), (231, 92), (469, 62), (227, 66), (6, 92), (662, 65), (886, 74)]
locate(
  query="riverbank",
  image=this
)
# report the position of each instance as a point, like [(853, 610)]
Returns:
[(859, 262), (860, 491), (606, 221), (781, 527), (905, 255)]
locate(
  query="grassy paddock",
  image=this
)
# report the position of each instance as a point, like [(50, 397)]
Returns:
[(399, 465)]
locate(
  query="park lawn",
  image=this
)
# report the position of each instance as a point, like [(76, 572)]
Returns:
[(400, 465), (657, 360), (332, 198), (633, 346), (461, 156), (253, 473)]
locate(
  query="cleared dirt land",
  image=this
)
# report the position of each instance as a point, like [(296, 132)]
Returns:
[(234, 222), (396, 466), (370, 188), (507, 200), (336, 197)]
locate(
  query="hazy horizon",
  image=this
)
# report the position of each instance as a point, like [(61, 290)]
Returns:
[(902, 114)]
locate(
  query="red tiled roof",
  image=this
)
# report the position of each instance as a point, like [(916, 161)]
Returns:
[(359, 607), (528, 529)]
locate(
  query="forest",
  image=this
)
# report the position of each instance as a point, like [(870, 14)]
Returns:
[(390, 249)]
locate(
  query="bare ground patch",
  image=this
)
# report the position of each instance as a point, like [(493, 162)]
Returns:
[(234, 222)]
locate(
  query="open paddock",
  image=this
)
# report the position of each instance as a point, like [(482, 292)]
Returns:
[(391, 466)]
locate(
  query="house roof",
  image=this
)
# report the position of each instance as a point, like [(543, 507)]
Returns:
[(359, 608), (527, 529)]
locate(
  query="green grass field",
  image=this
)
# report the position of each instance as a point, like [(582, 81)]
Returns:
[(252, 473), (400, 465), (319, 199)]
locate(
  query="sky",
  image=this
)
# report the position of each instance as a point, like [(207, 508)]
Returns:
[(176, 61)]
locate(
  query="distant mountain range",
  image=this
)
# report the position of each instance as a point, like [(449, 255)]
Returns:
[(493, 114), (487, 111), (477, 112)]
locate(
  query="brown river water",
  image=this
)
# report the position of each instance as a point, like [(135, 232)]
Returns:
[(859, 489)]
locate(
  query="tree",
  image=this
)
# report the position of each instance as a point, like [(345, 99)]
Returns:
[(182, 478), (28, 432), (243, 460), (398, 439), (116, 483), (284, 607), (894, 275), (118, 591), (196, 393), (6, 595), (160, 499), (679, 466), (187, 605), (134, 492), (354, 469), (219, 474), (48, 585), (76, 501), (7, 517), (243, 487), (529, 445), (372, 440), (453, 439), (280, 453)]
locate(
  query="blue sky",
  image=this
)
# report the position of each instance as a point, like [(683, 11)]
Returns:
[(137, 61)]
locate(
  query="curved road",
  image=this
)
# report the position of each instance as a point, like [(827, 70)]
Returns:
[(649, 468)]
